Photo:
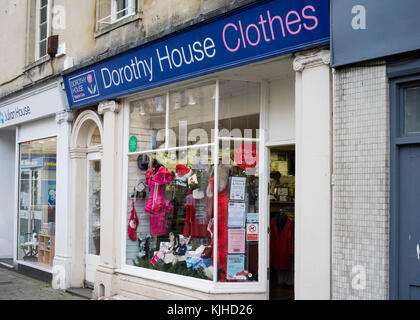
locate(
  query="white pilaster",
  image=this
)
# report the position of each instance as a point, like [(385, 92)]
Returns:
[(62, 259), (313, 175), (110, 195)]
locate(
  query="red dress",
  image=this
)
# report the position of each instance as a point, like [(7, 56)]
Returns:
[(195, 226), (223, 202)]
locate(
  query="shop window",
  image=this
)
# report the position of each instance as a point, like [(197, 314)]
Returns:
[(113, 11), (238, 211), (37, 201), (239, 112), (148, 119), (191, 116), (173, 203), (412, 111)]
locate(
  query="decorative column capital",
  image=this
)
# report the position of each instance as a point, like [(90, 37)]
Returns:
[(64, 116), (310, 59), (109, 105), (78, 153)]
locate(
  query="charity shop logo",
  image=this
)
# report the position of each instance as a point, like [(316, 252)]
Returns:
[(84, 86), (14, 114)]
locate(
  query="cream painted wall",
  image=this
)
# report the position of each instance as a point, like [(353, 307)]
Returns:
[(76, 28), (281, 111), (13, 26)]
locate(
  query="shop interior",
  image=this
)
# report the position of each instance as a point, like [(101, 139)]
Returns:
[(282, 215)]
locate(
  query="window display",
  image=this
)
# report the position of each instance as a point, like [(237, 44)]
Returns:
[(37, 201), (174, 203)]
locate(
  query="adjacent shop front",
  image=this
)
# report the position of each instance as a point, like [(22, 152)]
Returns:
[(34, 126), (200, 163), (376, 147)]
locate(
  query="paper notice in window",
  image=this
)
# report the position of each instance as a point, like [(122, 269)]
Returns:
[(236, 214), (237, 188), (236, 241)]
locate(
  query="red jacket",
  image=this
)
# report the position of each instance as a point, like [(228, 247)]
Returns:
[(281, 245)]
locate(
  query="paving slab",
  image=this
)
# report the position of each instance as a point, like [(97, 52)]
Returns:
[(15, 286)]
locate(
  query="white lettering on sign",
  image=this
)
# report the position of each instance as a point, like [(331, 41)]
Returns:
[(359, 20)]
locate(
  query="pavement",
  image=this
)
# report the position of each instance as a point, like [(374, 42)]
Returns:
[(15, 286)]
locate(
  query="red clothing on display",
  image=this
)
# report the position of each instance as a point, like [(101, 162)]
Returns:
[(196, 227), (158, 206), (223, 202), (281, 245)]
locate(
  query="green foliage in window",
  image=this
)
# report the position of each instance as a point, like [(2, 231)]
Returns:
[(178, 268)]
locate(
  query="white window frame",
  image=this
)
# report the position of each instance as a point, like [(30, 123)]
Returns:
[(38, 29), (206, 286), (129, 10)]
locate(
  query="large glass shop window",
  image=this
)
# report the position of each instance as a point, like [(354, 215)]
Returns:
[(173, 199), (37, 201)]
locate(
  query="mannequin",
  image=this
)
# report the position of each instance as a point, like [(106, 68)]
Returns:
[(223, 202)]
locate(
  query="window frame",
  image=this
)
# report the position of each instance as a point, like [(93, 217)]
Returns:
[(206, 286), (38, 29), (130, 7)]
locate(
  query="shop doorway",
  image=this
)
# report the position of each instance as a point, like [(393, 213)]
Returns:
[(281, 221), (405, 189), (93, 235), (86, 154)]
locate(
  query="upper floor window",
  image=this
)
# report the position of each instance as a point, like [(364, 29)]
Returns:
[(43, 26), (112, 11)]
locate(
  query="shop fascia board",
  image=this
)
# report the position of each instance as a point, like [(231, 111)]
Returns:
[(235, 5), (51, 90), (28, 94)]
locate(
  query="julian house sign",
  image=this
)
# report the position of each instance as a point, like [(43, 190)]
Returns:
[(255, 32), (369, 29)]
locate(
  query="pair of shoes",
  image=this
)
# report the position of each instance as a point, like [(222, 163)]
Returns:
[(181, 250), (207, 252)]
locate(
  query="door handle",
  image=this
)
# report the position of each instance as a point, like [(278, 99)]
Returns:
[(418, 252)]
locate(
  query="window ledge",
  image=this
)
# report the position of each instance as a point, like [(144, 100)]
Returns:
[(36, 63), (117, 24), (201, 285)]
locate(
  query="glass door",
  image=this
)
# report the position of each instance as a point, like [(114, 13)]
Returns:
[(93, 249)]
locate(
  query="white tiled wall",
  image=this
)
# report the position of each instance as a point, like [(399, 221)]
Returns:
[(361, 183)]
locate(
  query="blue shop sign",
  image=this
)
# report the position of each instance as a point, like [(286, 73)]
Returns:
[(257, 32), (35, 163)]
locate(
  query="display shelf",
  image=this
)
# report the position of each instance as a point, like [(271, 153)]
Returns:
[(46, 256)]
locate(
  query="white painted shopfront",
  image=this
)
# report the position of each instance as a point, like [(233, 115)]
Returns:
[(35, 127), (285, 103)]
